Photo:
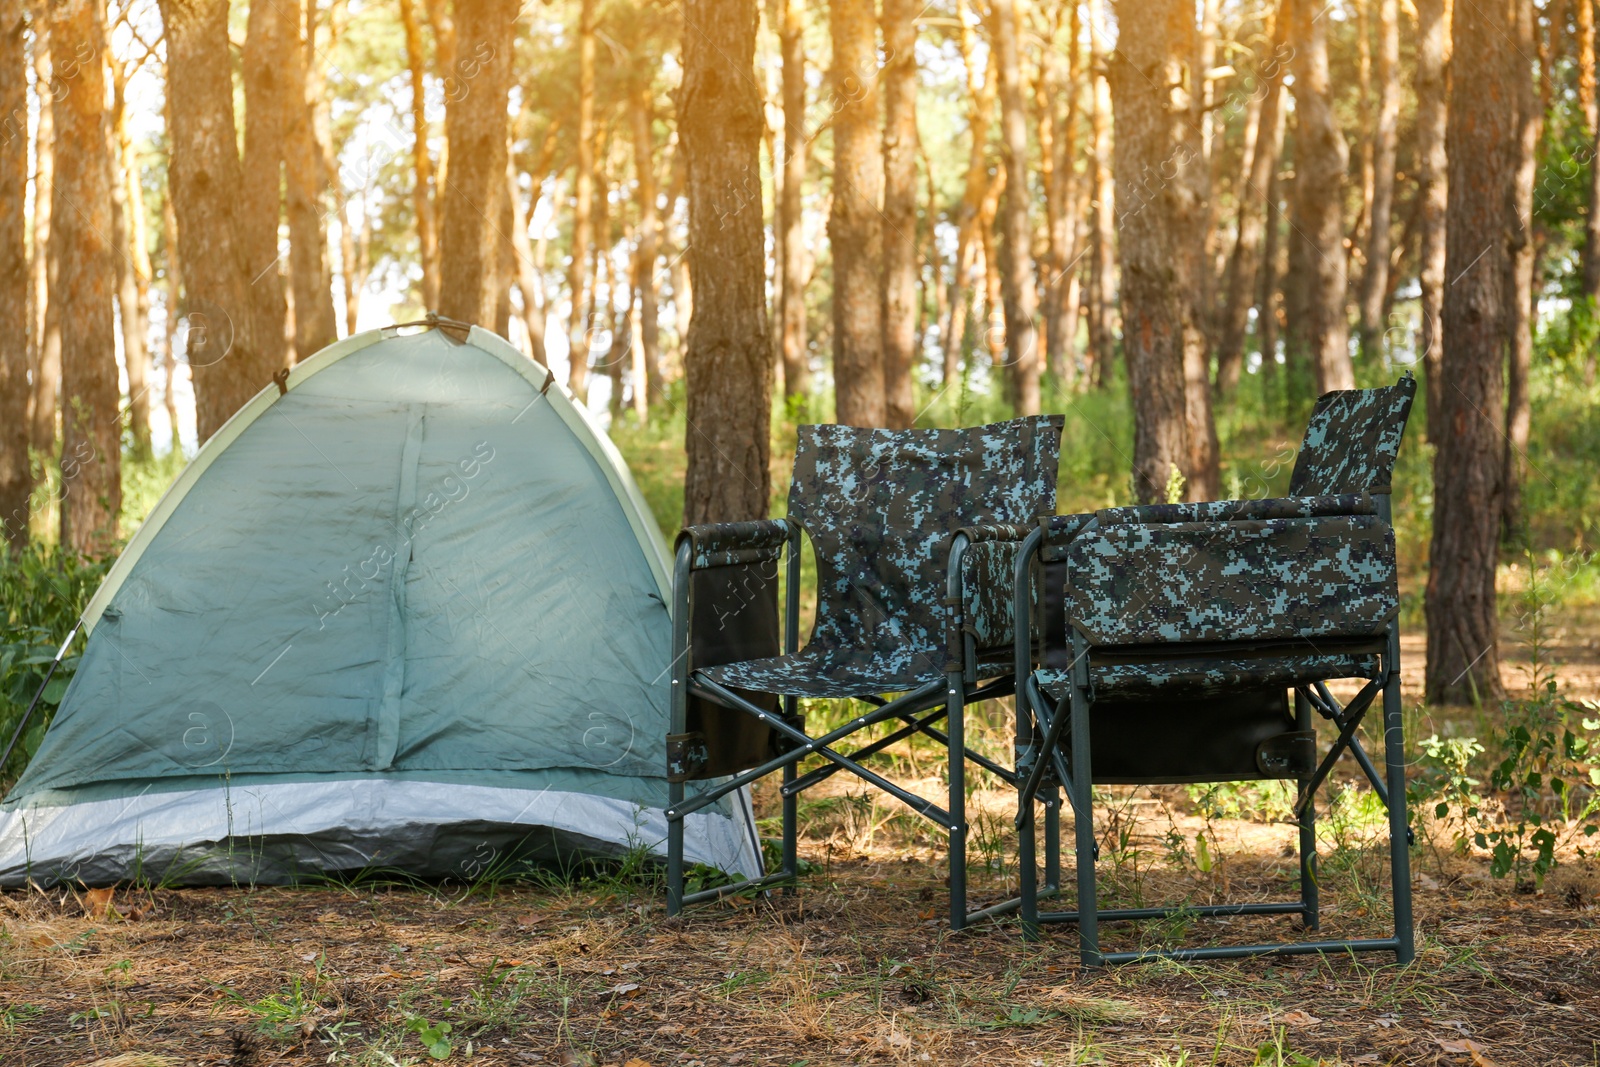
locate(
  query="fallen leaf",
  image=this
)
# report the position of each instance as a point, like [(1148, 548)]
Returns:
[(622, 989), (1467, 1046), (99, 902), (637, 1063), (1298, 1018), (1371, 1057)]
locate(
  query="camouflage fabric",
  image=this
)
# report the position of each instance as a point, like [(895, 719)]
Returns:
[(988, 573), (1234, 581), (1352, 440), (1291, 507), (725, 544), (880, 507), (1211, 676)]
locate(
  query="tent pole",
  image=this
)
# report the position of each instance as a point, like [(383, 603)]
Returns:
[(22, 724)]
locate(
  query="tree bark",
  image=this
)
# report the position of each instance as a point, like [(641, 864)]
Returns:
[(1267, 292), (1433, 97), (1591, 118), (46, 356), (475, 122), (1061, 198), (1103, 267), (1158, 234), (1519, 279), (1375, 274), (528, 282), (855, 222), (132, 263), (311, 276), (91, 442), (422, 159), (727, 364), (16, 483), (980, 96), (228, 352), (1463, 648), (1018, 293), (899, 210), (1245, 262), (172, 296), (271, 36), (648, 384), (791, 217), (1321, 158), (578, 325)]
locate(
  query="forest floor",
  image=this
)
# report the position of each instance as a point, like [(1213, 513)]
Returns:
[(859, 966)]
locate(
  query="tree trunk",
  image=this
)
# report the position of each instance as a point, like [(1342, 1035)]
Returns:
[(132, 261), (855, 222), (1375, 275), (16, 483), (980, 95), (315, 322), (1321, 158), (1245, 262), (1061, 289), (899, 210), (226, 356), (727, 363), (1103, 267), (1433, 97), (528, 283), (1519, 279), (422, 166), (583, 204), (791, 218), (91, 443), (1267, 310), (1591, 117), (648, 384), (1463, 649), (1157, 233), (268, 50), (46, 357), (475, 122), (170, 354), (1017, 275)]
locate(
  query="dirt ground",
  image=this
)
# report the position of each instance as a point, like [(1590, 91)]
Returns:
[(858, 966)]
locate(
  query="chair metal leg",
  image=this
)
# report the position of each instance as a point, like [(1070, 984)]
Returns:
[(956, 730), (1052, 838), (674, 852), (1082, 777), (1311, 916), (1028, 875), (790, 863), (1399, 836)]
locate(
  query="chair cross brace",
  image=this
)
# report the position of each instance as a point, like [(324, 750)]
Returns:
[(913, 726), (806, 745), (1349, 720)]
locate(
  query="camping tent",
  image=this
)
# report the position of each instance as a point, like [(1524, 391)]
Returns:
[(406, 612)]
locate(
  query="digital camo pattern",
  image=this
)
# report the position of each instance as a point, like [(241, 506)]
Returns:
[(1290, 507), (880, 507), (1211, 676), (988, 573), (725, 544), (1352, 440), (1059, 530), (1237, 581)]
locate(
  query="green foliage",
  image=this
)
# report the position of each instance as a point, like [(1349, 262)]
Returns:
[(435, 1037), (43, 590)]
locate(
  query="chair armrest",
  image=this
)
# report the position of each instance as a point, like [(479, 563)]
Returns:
[(999, 531), (728, 544), (1291, 507)]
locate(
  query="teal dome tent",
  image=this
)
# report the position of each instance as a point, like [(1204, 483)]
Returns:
[(407, 612)]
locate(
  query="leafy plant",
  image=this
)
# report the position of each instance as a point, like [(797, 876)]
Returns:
[(435, 1037)]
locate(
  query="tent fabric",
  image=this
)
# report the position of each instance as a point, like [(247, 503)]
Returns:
[(421, 574)]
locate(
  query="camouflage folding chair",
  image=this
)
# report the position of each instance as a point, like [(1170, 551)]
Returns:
[(911, 619), (1181, 630)]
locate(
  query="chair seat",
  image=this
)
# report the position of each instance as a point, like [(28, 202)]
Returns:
[(1212, 676), (814, 672)]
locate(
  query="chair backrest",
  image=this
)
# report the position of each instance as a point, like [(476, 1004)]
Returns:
[(881, 505), (1352, 440)]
